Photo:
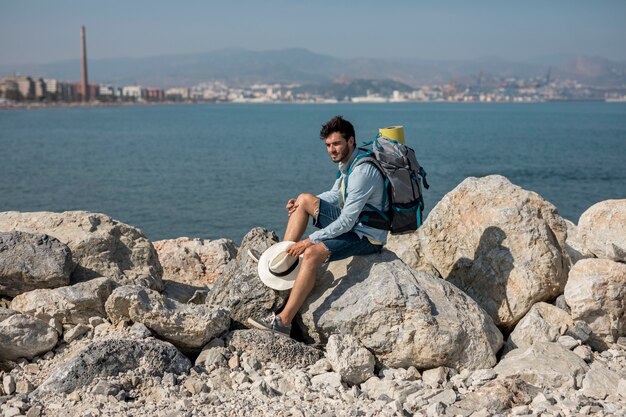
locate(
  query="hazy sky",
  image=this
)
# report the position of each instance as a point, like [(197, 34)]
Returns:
[(45, 31)]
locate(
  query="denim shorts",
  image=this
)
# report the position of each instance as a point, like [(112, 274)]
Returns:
[(347, 244)]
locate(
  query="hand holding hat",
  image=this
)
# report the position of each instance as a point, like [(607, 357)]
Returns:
[(277, 269)]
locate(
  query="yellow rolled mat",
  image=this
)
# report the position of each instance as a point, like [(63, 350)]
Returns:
[(393, 132)]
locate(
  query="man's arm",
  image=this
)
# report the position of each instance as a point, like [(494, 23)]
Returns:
[(362, 183)]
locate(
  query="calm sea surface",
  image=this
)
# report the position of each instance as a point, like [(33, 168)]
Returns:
[(216, 171)]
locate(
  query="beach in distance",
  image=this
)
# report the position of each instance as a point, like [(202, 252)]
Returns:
[(216, 171)]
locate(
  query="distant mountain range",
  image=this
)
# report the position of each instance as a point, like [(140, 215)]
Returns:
[(237, 66)]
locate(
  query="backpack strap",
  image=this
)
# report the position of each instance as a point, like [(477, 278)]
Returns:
[(422, 174)]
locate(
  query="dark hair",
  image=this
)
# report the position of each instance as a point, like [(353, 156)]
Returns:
[(338, 124)]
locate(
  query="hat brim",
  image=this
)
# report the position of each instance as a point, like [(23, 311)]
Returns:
[(267, 277)]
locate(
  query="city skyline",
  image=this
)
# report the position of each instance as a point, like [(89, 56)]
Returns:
[(40, 32)]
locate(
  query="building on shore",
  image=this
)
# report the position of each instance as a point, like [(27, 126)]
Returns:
[(177, 94), (133, 93)]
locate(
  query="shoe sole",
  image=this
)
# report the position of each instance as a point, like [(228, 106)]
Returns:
[(258, 325)]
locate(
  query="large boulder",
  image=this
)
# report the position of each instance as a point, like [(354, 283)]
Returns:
[(596, 294), (25, 337), (501, 244), (404, 317), (69, 305), (574, 246), (197, 262), (188, 326), (30, 261), (602, 229), (240, 289), (112, 356), (544, 365), (544, 322), (100, 245)]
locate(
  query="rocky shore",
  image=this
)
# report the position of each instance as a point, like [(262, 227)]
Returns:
[(497, 306)]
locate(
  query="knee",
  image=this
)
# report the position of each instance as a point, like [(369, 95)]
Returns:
[(306, 199), (306, 202), (316, 253)]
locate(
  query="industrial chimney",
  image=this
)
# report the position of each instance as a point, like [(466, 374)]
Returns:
[(83, 56)]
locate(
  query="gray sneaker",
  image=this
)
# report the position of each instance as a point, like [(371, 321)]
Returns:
[(272, 322)]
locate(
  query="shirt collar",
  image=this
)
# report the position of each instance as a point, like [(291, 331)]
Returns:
[(344, 167)]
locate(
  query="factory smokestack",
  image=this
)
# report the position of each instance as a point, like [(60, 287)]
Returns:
[(83, 56)]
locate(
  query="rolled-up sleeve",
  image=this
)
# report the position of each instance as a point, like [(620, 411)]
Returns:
[(363, 181)]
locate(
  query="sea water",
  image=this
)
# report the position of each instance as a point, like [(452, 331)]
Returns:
[(218, 170)]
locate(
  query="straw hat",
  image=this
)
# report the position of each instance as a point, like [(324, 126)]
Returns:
[(277, 269)]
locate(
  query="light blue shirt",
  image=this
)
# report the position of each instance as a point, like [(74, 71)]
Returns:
[(365, 186)]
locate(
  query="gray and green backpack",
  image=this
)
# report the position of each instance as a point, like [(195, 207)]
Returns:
[(403, 184)]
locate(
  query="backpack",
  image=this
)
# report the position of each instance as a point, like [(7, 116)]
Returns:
[(402, 173)]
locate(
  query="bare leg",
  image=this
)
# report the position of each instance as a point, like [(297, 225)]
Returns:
[(314, 256), (307, 206)]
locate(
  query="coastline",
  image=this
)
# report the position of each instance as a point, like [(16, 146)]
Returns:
[(80, 105)]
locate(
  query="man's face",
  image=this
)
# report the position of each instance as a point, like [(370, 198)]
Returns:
[(338, 148)]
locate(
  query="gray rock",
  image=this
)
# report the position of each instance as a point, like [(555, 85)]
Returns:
[(435, 377), (602, 229), (188, 326), (581, 331), (544, 322), (100, 245), (481, 376), (281, 350), (504, 246), (240, 289), (320, 367), (352, 361), (195, 386), (212, 356), (12, 412), (328, 379), (104, 388), (139, 330), (584, 352), (24, 386), (447, 397), (34, 411), (5, 313), (8, 384), (562, 304), (596, 293), (30, 261), (600, 382), (545, 365), (112, 356), (437, 409), (263, 390), (76, 332), (69, 305), (196, 262), (96, 321), (25, 337), (404, 317), (497, 396), (568, 342), (376, 388)]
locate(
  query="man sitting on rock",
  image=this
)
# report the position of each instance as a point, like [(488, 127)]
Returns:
[(336, 214)]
